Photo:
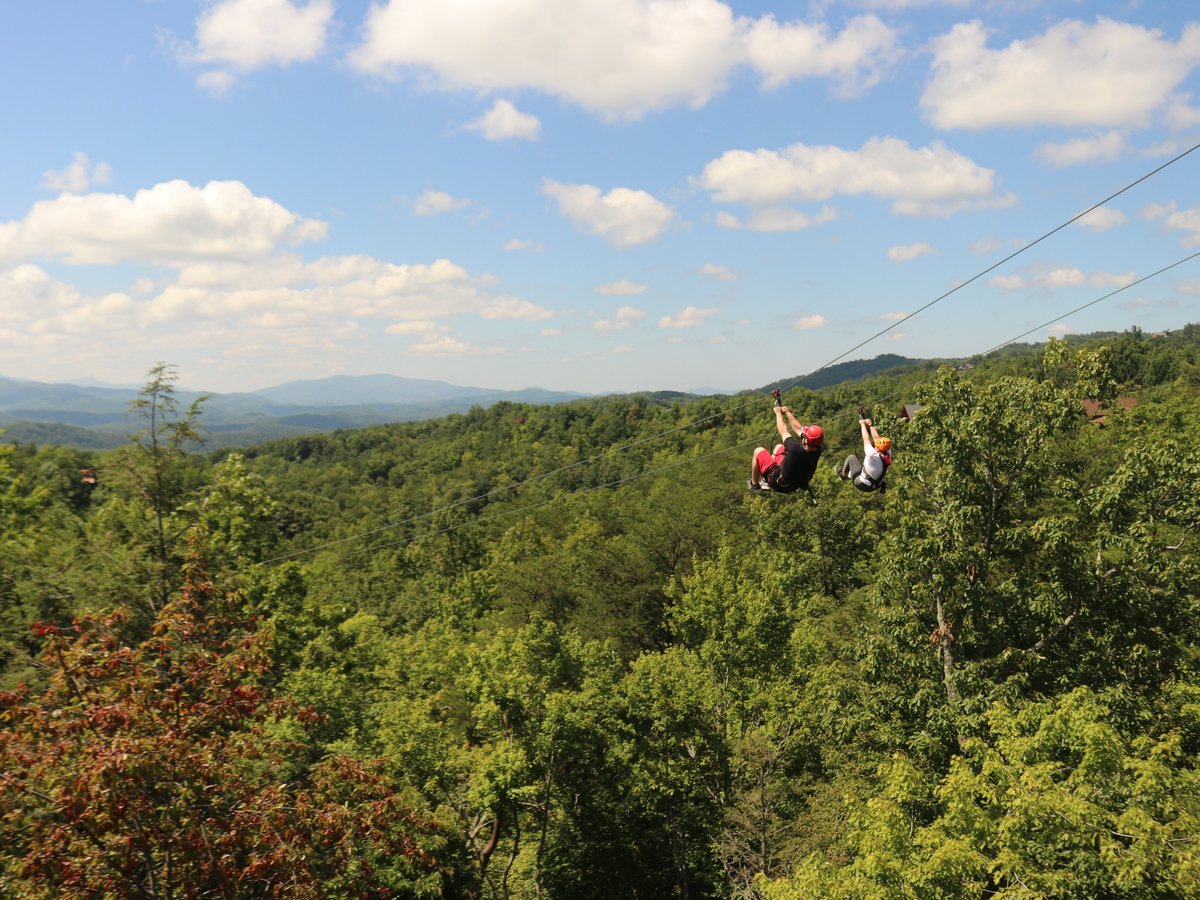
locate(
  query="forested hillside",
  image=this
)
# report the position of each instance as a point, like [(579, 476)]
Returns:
[(562, 652)]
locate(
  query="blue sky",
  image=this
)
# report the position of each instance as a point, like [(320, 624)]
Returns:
[(597, 195)]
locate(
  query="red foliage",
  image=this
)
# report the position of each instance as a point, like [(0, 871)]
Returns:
[(147, 771)]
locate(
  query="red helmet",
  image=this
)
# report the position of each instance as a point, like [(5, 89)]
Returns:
[(813, 434)]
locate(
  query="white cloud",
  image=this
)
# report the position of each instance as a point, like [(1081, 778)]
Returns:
[(1007, 282), (808, 323), (1153, 211), (1062, 276), (624, 217), (171, 221), (1100, 148), (1102, 218), (857, 58), (898, 336), (623, 287), (78, 176), (434, 203), (626, 316), (216, 83), (777, 218), (1180, 115), (905, 252), (505, 122), (985, 245), (245, 35), (513, 308), (443, 346), (929, 180), (418, 327), (621, 58), (717, 272), (1187, 221), (1188, 286), (550, 332), (518, 244), (1061, 328), (622, 349), (1108, 74), (1065, 276), (894, 316), (1111, 279), (689, 317)]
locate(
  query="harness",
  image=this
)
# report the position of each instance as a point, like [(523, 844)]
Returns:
[(876, 484)]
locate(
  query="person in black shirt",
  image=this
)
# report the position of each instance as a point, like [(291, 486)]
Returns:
[(791, 465)]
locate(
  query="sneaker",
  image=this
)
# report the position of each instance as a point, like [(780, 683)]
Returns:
[(754, 485)]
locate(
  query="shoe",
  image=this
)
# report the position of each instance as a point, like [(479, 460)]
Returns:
[(754, 485), (837, 470)]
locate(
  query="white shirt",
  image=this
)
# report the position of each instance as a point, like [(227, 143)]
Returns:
[(873, 466)]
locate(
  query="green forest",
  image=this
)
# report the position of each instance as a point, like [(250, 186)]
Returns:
[(563, 652)]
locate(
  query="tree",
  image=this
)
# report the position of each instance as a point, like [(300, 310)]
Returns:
[(147, 771), (155, 466)]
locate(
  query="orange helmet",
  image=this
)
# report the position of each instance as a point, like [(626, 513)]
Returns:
[(813, 434), (883, 445)]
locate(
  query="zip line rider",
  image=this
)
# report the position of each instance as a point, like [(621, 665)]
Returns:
[(868, 475), (791, 465)]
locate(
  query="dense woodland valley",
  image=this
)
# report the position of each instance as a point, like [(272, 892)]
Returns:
[(562, 652)]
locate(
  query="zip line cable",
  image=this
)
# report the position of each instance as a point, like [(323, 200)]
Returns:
[(480, 520), (996, 265), (725, 412), (619, 481)]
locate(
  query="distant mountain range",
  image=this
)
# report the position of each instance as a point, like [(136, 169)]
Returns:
[(91, 416)]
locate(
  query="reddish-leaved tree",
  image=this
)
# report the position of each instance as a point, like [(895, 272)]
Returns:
[(147, 771)]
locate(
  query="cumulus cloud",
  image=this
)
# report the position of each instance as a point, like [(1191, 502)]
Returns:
[(623, 216), (1107, 74), (434, 203), (1187, 221), (808, 323), (1100, 148), (417, 327), (931, 180), (777, 218), (505, 122), (856, 59), (442, 346), (1112, 279), (518, 244), (894, 316), (689, 317), (171, 221), (622, 287), (620, 58), (717, 272), (1062, 276), (1180, 114), (1102, 218), (244, 35), (1007, 282), (905, 252), (78, 176), (514, 308), (1153, 211), (626, 316)]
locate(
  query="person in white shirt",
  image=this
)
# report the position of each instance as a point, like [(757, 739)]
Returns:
[(869, 474)]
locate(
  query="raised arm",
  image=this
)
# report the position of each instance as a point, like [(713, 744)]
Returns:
[(780, 425), (866, 428), (796, 426)]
